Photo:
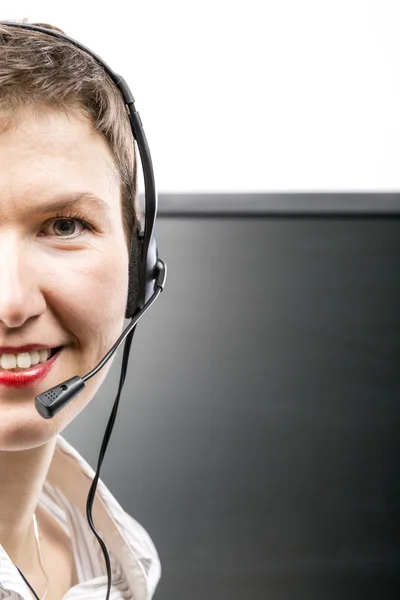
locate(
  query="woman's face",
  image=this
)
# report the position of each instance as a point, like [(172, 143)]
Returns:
[(61, 284)]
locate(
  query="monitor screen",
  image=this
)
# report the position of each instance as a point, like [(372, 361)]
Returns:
[(258, 439)]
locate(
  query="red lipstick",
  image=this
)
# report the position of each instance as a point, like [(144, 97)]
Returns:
[(27, 377), (26, 348)]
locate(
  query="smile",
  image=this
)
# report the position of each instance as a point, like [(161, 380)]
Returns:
[(18, 377), (25, 360)]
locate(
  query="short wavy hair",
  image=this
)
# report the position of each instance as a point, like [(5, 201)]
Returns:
[(42, 70)]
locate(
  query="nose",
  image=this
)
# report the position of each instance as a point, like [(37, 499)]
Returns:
[(20, 294)]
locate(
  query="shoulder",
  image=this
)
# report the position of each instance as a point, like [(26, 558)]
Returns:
[(126, 539)]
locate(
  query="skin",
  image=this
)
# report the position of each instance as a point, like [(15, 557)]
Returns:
[(56, 288)]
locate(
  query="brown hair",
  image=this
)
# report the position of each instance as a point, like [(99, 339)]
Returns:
[(38, 69)]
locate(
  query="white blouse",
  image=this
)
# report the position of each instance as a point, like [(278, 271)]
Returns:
[(135, 564)]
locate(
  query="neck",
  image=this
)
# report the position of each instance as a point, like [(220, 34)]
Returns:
[(22, 475)]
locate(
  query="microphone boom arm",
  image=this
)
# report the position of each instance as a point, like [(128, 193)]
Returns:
[(51, 401)]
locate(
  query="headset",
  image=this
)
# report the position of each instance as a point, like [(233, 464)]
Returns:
[(147, 277)]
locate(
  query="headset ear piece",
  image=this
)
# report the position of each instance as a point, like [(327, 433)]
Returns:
[(134, 270), (143, 273)]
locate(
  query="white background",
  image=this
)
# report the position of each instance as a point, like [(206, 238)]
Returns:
[(252, 95)]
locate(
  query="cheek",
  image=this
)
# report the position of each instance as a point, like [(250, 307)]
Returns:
[(94, 316), (91, 308), (91, 293), (86, 298)]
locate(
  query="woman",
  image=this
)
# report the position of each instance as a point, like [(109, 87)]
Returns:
[(68, 210)]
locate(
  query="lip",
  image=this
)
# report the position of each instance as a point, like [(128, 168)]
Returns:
[(26, 348), (28, 377)]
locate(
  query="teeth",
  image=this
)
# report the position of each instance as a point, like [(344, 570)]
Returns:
[(24, 360)]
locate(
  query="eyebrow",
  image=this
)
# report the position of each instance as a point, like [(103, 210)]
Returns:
[(87, 198)]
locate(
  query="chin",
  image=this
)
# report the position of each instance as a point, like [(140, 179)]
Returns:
[(22, 428)]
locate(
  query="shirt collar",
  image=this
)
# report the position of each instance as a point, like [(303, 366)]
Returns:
[(124, 537)]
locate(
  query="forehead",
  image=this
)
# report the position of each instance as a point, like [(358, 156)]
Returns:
[(49, 154)]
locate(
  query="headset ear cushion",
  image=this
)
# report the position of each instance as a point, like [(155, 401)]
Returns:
[(134, 264)]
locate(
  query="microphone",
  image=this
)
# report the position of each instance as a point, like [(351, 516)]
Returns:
[(50, 402)]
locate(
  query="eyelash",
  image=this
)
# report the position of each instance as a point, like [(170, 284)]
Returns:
[(84, 221)]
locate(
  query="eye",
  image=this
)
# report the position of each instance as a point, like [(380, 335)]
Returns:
[(66, 226)]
